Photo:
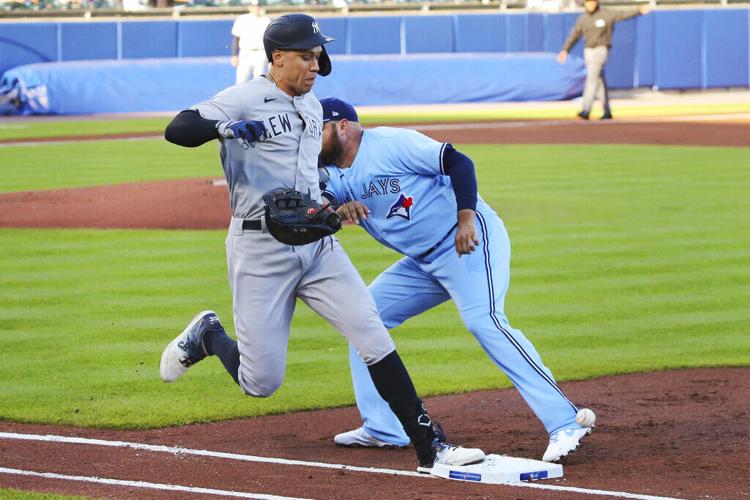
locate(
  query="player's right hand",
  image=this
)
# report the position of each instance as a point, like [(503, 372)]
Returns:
[(244, 130), (353, 212), (562, 56)]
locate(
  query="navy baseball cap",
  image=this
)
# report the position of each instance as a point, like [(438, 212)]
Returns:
[(336, 109)]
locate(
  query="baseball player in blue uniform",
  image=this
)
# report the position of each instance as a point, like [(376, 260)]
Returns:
[(269, 133), (419, 198)]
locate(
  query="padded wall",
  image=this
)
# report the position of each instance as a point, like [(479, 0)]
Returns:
[(26, 43), (172, 84), (141, 39), (696, 48), (678, 58), (88, 41), (726, 48)]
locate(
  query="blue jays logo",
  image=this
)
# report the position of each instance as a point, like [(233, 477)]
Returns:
[(402, 207)]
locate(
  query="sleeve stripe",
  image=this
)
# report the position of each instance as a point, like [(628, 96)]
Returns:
[(442, 151)]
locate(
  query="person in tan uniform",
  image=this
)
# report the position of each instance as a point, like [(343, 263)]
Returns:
[(596, 25)]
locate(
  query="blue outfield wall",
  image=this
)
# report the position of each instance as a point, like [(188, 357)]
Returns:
[(667, 49), (139, 85)]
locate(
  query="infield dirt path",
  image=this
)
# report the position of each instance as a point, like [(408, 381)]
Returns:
[(676, 433)]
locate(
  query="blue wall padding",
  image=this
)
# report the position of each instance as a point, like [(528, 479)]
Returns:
[(88, 41), (141, 39), (174, 84), (204, 38), (554, 33), (678, 49), (375, 35), (338, 28), (621, 62), (468, 77), (116, 86), (516, 30), (535, 33), (26, 44), (644, 52), (671, 49), (428, 34), (726, 48), (481, 33)]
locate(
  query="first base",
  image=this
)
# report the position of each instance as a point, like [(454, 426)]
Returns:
[(500, 469)]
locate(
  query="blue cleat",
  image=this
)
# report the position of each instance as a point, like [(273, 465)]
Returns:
[(187, 349)]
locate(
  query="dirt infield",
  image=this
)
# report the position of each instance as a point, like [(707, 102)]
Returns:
[(678, 433), (164, 204)]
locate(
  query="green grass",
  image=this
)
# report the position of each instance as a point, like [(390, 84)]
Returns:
[(78, 164), (11, 494), (626, 258), (55, 127), (75, 127)]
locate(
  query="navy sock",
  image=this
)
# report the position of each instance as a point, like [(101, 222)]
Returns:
[(394, 385), (225, 348)]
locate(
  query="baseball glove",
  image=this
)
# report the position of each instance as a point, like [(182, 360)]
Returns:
[(294, 218)]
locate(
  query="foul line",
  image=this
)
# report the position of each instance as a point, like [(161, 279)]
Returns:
[(143, 484), (177, 450)]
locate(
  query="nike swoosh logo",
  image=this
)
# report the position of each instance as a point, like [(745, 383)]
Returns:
[(268, 99)]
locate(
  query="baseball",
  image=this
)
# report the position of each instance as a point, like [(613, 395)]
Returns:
[(585, 417)]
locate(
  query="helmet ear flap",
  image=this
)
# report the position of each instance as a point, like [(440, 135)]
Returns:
[(324, 63)]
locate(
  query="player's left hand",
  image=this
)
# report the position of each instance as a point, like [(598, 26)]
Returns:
[(466, 233), (353, 212)]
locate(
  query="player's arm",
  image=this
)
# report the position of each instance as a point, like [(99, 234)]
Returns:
[(573, 37), (350, 212), (460, 169), (191, 130)]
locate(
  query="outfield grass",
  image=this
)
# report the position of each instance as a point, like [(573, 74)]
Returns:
[(10, 494), (80, 164), (626, 258), (95, 127)]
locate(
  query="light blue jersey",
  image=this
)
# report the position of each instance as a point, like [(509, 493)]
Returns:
[(398, 174)]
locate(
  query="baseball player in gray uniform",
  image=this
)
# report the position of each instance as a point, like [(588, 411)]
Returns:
[(269, 133)]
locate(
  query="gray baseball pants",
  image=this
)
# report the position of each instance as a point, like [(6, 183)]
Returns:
[(595, 58), (267, 277)]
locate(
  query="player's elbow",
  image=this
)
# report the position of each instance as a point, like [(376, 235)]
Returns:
[(189, 130)]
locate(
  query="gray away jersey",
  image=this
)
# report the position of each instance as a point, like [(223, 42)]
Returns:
[(288, 155)]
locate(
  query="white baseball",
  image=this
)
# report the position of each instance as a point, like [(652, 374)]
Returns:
[(585, 417)]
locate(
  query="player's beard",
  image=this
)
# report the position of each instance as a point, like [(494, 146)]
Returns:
[(333, 153)]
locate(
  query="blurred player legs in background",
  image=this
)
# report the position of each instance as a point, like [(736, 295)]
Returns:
[(248, 54)]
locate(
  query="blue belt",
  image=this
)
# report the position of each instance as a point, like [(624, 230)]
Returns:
[(434, 247)]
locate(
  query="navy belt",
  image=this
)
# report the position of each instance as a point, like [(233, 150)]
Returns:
[(251, 225), (434, 247)]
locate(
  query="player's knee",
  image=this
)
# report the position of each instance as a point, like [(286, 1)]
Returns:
[(261, 388)]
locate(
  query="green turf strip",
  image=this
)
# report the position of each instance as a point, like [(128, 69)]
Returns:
[(56, 127), (625, 258), (11, 494), (80, 164), (22, 129)]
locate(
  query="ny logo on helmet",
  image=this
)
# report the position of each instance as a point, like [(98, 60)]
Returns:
[(315, 27)]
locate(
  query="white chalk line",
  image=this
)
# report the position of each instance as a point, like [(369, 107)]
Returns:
[(177, 450), (143, 484)]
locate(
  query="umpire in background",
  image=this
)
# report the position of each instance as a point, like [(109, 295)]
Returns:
[(596, 26)]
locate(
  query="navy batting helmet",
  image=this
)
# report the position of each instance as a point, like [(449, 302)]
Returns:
[(297, 32)]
